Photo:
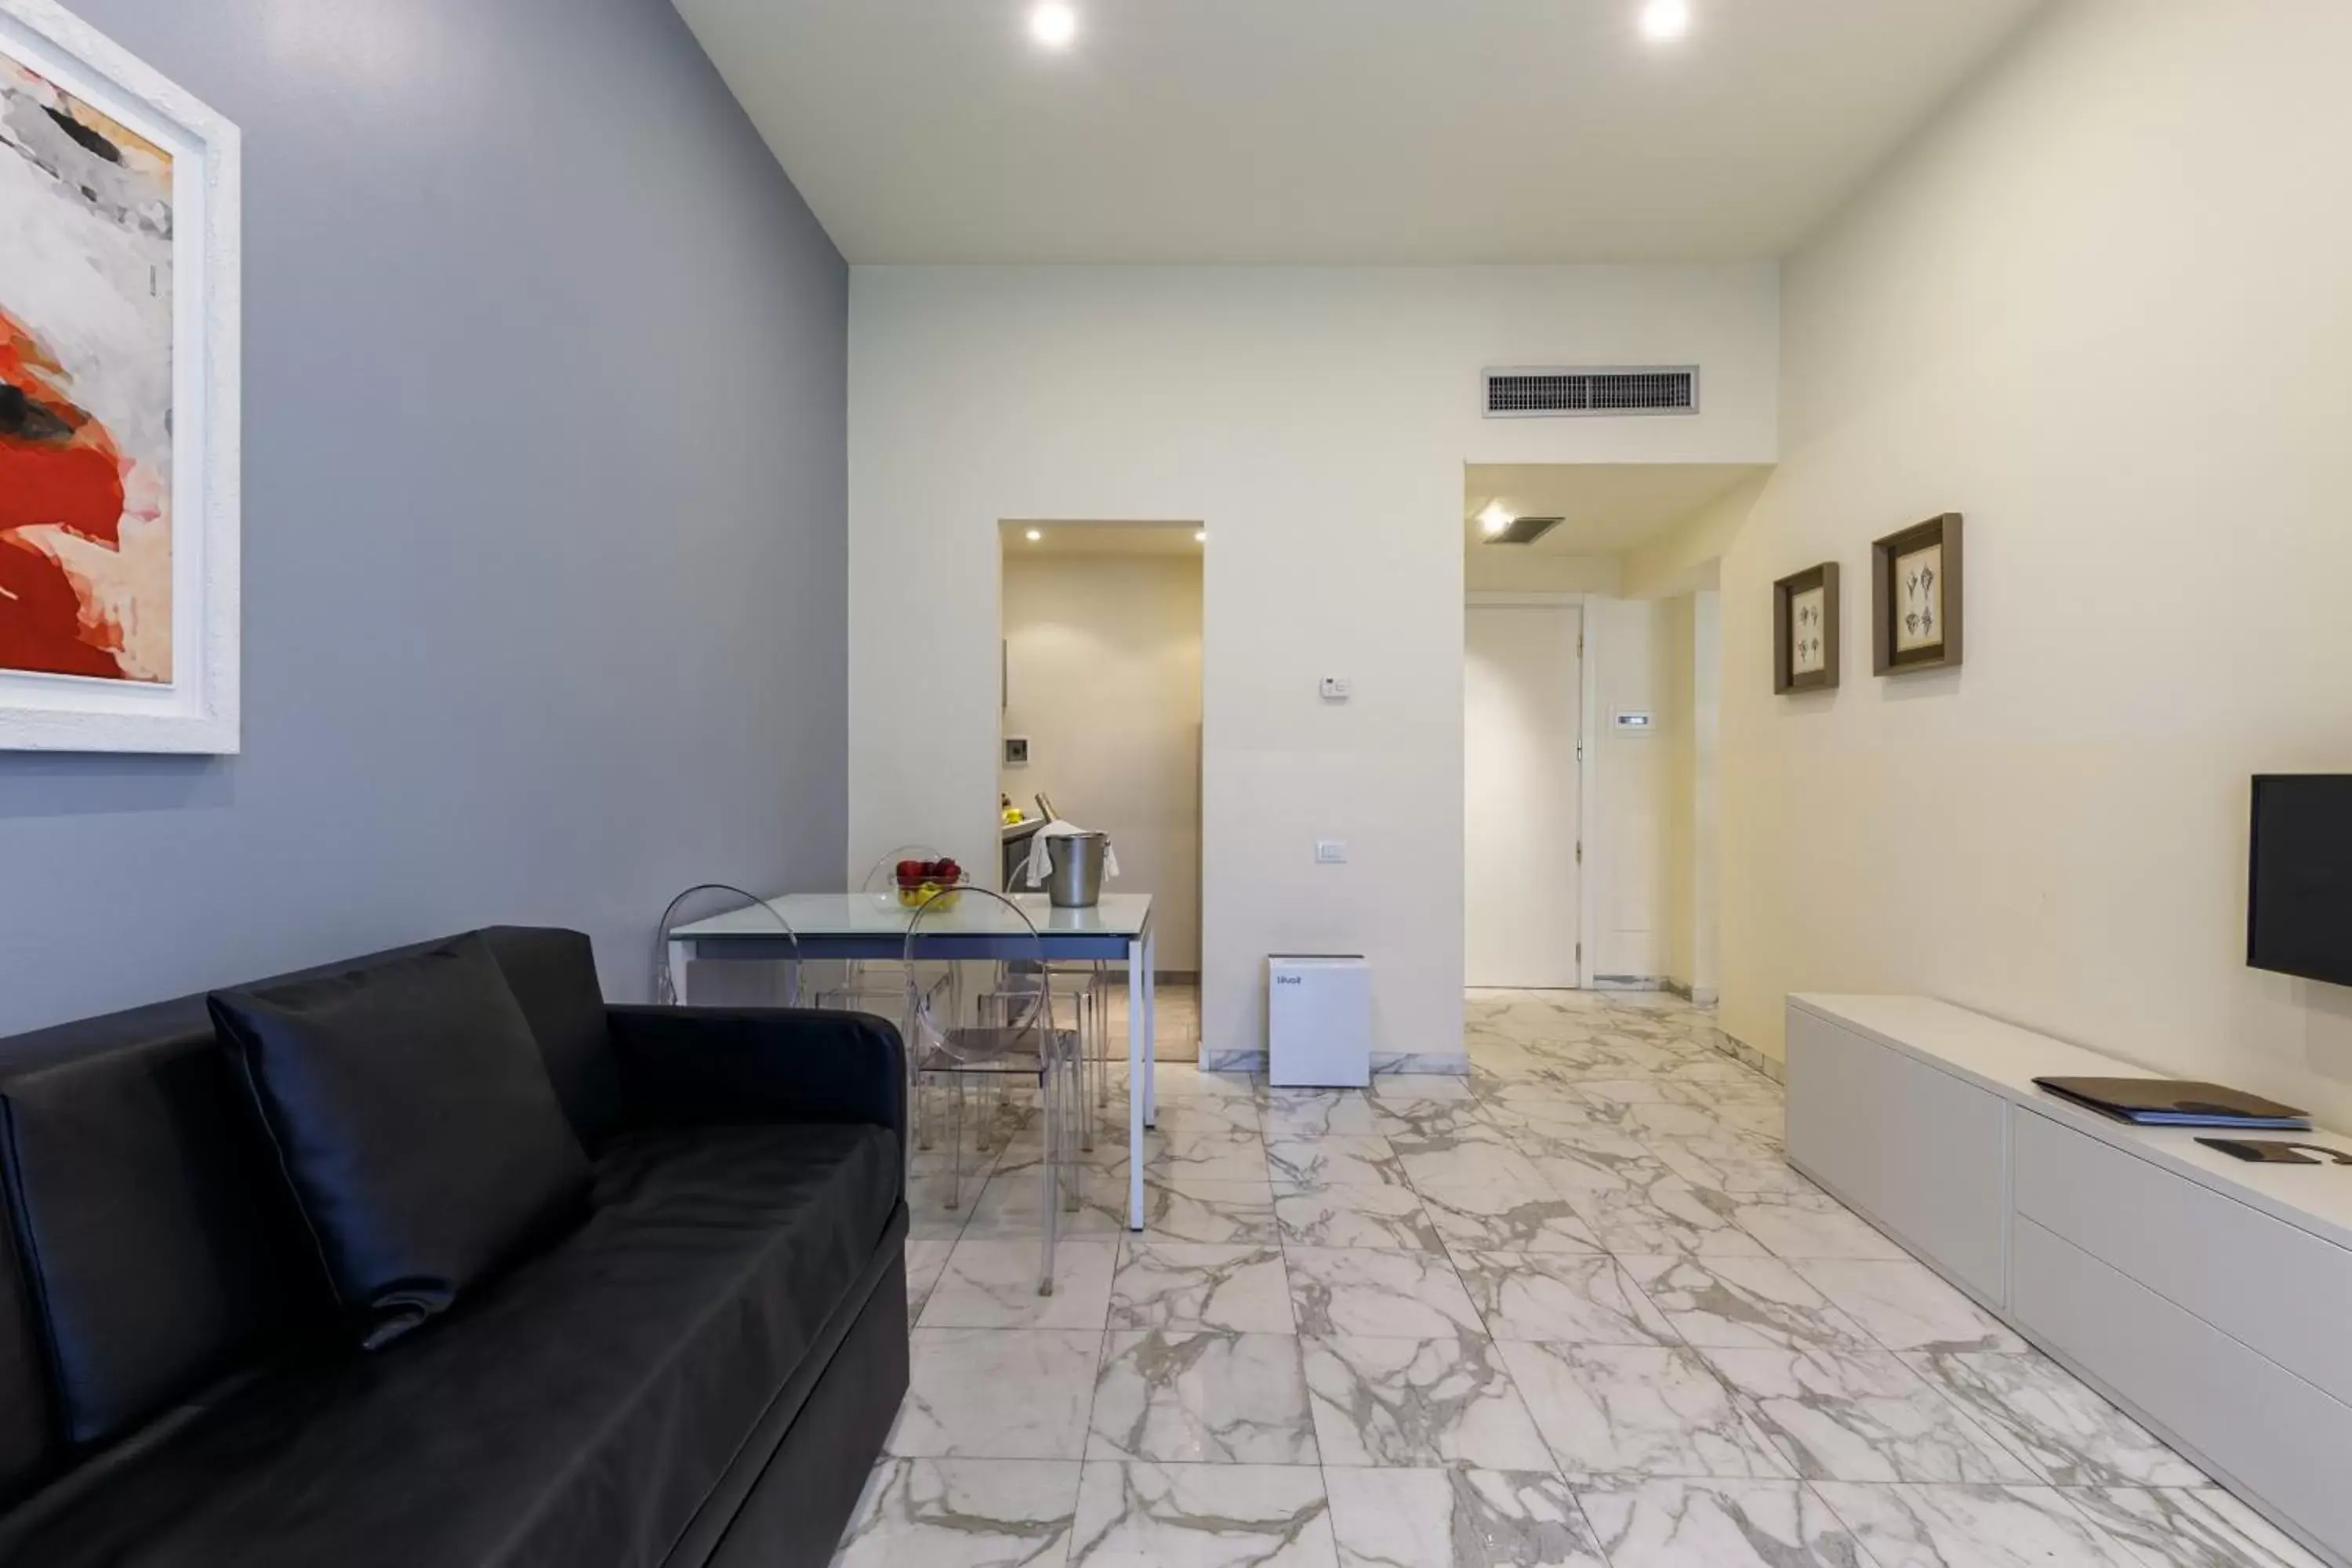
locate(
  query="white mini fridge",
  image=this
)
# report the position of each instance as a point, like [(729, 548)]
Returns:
[(1319, 1020)]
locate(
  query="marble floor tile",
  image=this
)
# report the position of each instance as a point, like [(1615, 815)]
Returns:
[(1011, 1208), (1718, 1524), (1441, 1162), (1504, 1216), (1337, 1160), (1218, 1212), (1194, 1113), (2203, 1527), (1568, 1297), (1380, 1402), (928, 1216), (1190, 1396), (1812, 1226), (993, 1284), (1357, 1292), (1862, 1417), (1905, 1306), (1383, 1217), (1741, 1088), (1637, 1411), (1458, 1519), (1301, 1113), (1194, 1285), (1213, 1154), (1683, 1119), (1202, 1516), (998, 1394), (926, 1260), (2073, 1436), (1420, 1086), (1660, 1215), (1422, 1119), (1728, 1163), (963, 1514), (1730, 1303), (1971, 1527)]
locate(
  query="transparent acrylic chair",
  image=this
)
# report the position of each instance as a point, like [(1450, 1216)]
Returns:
[(879, 985), (667, 987), (1009, 1040)]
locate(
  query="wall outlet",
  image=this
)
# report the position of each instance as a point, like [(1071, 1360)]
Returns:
[(1336, 688), (1330, 852)]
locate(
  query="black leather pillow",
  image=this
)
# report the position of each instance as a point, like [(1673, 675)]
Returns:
[(413, 1116)]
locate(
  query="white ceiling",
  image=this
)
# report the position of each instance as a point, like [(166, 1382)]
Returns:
[(1337, 131), (1607, 507)]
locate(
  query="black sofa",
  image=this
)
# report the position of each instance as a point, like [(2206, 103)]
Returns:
[(701, 1371)]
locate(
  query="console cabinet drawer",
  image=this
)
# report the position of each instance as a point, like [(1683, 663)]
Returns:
[(2271, 1431), (2280, 1290), (1920, 1152)]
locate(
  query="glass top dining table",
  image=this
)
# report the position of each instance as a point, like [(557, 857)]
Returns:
[(835, 926)]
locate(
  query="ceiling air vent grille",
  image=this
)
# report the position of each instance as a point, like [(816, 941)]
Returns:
[(1524, 531), (1558, 392)]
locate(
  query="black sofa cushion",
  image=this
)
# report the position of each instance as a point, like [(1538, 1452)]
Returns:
[(157, 1244), (553, 976), (27, 1446), (413, 1113), (577, 1413)]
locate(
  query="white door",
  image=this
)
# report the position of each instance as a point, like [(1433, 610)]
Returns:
[(1521, 691)]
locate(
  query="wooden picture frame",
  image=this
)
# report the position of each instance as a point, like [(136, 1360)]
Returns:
[(1915, 598), (1805, 630)]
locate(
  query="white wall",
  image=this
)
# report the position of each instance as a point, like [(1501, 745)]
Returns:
[(1317, 421), (2104, 309), (1629, 642), (1691, 659), (1103, 665)]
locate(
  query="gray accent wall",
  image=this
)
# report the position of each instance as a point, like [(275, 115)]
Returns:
[(545, 368)]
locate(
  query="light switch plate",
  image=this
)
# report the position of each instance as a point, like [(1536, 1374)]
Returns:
[(1330, 852), (1336, 688)]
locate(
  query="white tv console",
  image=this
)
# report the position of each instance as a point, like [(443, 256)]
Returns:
[(2209, 1297)]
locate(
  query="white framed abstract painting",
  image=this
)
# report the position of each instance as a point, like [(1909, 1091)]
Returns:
[(119, 399)]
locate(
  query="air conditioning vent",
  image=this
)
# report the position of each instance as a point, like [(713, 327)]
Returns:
[(1524, 531), (1559, 393)]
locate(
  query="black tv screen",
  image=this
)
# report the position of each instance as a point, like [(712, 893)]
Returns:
[(2299, 901)]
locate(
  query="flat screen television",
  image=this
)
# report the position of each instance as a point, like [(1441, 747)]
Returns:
[(2299, 895)]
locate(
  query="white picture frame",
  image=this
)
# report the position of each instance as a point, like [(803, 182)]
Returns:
[(197, 710)]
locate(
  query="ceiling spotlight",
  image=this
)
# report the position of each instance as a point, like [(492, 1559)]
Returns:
[(1664, 21), (1053, 25), (1495, 517), (1200, 537), (1034, 535)]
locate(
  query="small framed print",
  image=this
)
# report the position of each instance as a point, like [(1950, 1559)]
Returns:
[(1805, 630), (1914, 597)]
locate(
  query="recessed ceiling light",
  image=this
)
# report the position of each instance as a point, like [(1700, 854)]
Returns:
[(1664, 21), (1035, 536), (1202, 537), (1495, 517), (1053, 25)]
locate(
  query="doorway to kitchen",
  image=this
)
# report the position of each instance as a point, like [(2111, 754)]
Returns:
[(1100, 725)]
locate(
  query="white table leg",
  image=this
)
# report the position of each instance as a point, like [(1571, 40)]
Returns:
[(1139, 1073), (680, 954), (1151, 1026)]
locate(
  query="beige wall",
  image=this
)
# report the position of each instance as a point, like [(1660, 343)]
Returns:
[(1102, 676), (1692, 661), (2103, 307)]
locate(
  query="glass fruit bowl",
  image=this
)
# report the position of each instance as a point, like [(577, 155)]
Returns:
[(920, 881)]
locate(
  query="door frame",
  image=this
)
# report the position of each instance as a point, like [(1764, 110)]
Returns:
[(1587, 742)]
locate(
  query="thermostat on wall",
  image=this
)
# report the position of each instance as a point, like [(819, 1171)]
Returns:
[(1016, 751), (1633, 722)]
